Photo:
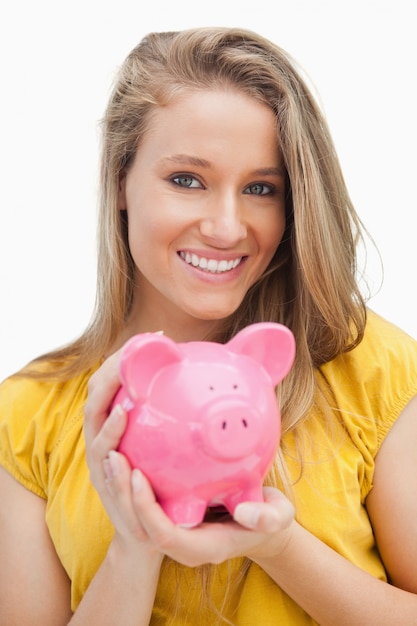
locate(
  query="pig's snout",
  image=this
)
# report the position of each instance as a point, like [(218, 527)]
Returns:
[(230, 431)]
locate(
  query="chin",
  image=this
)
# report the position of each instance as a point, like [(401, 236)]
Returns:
[(214, 315), (214, 311)]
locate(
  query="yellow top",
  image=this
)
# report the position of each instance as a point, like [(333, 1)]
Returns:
[(42, 446)]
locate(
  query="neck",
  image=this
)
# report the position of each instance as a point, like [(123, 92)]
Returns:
[(179, 330)]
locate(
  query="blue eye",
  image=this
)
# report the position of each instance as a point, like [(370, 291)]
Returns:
[(259, 189), (187, 181)]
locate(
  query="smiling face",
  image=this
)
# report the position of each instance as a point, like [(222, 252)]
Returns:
[(205, 198)]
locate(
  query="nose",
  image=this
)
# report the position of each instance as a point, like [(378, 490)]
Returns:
[(223, 224)]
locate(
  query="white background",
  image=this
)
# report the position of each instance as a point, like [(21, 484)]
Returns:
[(57, 62)]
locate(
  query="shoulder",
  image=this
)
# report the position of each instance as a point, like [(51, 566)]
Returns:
[(386, 356), (373, 383), (383, 339), (35, 415)]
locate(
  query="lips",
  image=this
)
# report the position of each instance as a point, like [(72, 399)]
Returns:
[(214, 266)]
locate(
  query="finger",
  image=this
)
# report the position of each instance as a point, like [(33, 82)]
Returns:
[(271, 516), (111, 431), (102, 388), (107, 439), (114, 474), (116, 493), (155, 522)]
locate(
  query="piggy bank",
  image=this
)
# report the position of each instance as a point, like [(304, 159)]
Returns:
[(203, 418)]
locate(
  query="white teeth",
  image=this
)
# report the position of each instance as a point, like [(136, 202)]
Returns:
[(210, 265)]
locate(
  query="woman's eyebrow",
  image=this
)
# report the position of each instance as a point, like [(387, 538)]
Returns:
[(187, 159), (269, 171)]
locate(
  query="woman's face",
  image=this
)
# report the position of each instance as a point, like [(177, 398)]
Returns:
[(205, 198)]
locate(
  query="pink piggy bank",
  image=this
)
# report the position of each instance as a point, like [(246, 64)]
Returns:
[(203, 418)]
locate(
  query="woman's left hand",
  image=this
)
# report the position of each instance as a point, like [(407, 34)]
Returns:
[(257, 529)]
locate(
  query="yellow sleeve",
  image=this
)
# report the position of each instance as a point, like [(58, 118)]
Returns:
[(34, 417), (24, 438), (371, 385)]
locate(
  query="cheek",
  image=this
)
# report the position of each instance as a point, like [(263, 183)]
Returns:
[(150, 237), (273, 231), (141, 237)]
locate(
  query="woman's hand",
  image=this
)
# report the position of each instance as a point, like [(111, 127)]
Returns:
[(129, 574), (257, 530), (110, 471)]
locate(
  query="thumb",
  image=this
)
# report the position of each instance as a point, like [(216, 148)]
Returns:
[(271, 516)]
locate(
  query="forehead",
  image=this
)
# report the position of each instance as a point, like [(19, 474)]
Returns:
[(203, 101), (213, 121)]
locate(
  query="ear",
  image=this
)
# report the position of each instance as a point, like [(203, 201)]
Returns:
[(271, 345), (142, 358), (121, 200)]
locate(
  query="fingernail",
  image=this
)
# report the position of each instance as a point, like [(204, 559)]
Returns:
[(137, 480), (114, 463), (247, 515)]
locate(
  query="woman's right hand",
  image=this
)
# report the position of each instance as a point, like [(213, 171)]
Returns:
[(129, 574), (110, 471)]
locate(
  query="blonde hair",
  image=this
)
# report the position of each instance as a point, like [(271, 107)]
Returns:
[(311, 284)]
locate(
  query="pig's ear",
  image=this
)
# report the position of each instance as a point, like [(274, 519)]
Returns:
[(143, 356), (270, 344)]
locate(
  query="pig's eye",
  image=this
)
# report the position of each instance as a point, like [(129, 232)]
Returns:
[(235, 386), (211, 388)]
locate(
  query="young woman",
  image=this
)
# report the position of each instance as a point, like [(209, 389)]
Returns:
[(222, 204)]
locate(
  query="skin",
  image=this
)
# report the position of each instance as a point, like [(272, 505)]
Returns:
[(215, 216)]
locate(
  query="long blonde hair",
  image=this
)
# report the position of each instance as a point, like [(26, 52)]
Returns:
[(311, 284)]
